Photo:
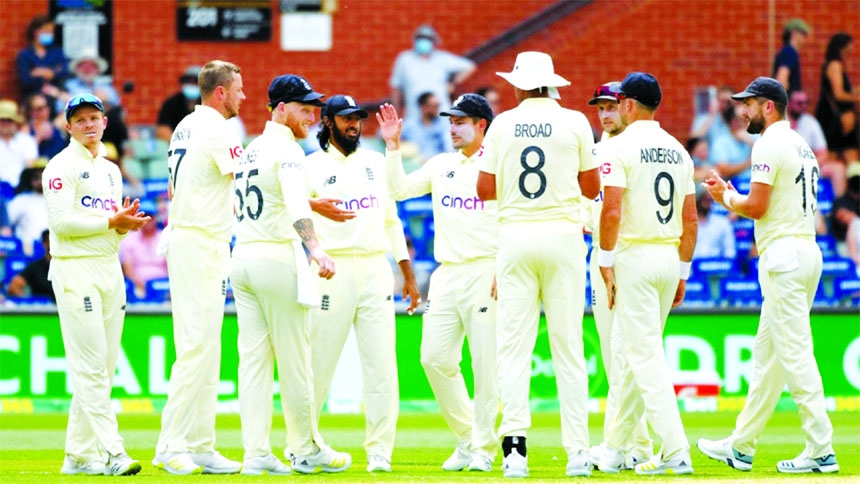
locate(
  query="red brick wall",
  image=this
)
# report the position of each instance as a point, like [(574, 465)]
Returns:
[(684, 43)]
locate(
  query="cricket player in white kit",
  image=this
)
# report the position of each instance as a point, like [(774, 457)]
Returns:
[(460, 302), (203, 154), (648, 230), (639, 447), (271, 278), (349, 183), (539, 163), (87, 219), (782, 202)]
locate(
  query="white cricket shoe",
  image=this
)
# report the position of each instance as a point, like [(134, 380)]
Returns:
[(680, 464), (121, 465), (595, 452), (515, 465), (578, 464), (266, 465), (723, 451), (459, 460), (480, 463), (326, 460), (72, 466), (177, 463), (378, 463), (213, 462), (610, 460), (800, 464)]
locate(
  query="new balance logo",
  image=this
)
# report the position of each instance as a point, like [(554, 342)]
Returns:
[(224, 287), (324, 304), (330, 180), (388, 297), (85, 175), (593, 297), (88, 304), (369, 173), (450, 174), (482, 309)]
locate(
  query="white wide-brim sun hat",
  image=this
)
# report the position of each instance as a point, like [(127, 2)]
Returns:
[(533, 70)]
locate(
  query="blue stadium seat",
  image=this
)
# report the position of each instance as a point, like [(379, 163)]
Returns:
[(11, 247), (740, 292), (12, 266), (158, 290), (714, 267), (835, 267), (417, 207), (698, 294), (7, 191), (822, 298), (847, 290), (827, 244), (825, 196), (154, 188)]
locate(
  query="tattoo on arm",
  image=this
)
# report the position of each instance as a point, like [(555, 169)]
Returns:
[(305, 228)]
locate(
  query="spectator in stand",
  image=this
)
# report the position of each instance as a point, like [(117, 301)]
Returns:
[(425, 68), (50, 140), (42, 66), (731, 151), (33, 280), (179, 105), (28, 215), (846, 209), (810, 130), (837, 102), (699, 152), (852, 243), (716, 236), (18, 150), (138, 254), (786, 64), (492, 96), (430, 132), (715, 123), (88, 68)]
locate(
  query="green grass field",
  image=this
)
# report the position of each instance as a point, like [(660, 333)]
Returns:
[(31, 449)]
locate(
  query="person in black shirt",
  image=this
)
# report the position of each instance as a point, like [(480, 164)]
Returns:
[(34, 277), (178, 105), (786, 64)]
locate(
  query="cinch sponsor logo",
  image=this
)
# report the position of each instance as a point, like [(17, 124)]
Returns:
[(761, 167), (472, 203), (97, 203), (359, 203)]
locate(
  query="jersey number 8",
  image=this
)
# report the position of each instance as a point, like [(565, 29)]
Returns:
[(532, 170)]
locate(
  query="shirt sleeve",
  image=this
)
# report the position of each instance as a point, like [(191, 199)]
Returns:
[(394, 232), (63, 219), (488, 163), (224, 147), (615, 173), (587, 158), (402, 186), (397, 74)]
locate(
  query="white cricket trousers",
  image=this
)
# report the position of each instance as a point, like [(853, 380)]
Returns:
[(639, 443), (459, 304), (542, 262), (273, 327), (647, 277), (783, 355), (360, 296), (90, 295), (198, 266)]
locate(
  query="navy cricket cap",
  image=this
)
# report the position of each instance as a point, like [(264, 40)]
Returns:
[(610, 91), (642, 87), (81, 99), (292, 88), (766, 87), (470, 105), (342, 105)]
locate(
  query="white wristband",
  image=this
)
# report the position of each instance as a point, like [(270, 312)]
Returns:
[(728, 196), (685, 270), (605, 258)]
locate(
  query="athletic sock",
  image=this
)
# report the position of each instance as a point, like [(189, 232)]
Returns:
[(513, 442)]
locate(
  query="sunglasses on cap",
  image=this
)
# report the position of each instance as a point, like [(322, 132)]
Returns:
[(612, 89), (80, 99)]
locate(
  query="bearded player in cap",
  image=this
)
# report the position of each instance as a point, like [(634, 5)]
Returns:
[(648, 228), (461, 301), (539, 163), (203, 155), (639, 447), (273, 287), (357, 225), (781, 201)]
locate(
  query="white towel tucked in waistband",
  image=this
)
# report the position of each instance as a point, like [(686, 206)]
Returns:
[(164, 241), (307, 289)]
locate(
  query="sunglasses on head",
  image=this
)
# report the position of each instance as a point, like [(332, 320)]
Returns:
[(612, 90), (84, 99)]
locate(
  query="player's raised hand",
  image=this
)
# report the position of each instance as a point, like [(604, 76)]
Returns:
[(390, 126)]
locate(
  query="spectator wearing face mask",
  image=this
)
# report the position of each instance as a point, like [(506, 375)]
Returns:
[(179, 105), (41, 64), (425, 68)]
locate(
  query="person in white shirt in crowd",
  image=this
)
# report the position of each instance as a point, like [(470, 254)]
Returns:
[(18, 150), (716, 237), (27, 214)]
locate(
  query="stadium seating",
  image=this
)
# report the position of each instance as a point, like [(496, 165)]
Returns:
[(740, 292), (157, 290), (11, 247), (827, 244), (847, 291), (698, 294), (825, 196), (837, 267), (12, 266)]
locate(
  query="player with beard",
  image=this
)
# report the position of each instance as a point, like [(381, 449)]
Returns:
[(781, 200), (357, 224), (467, 231)]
